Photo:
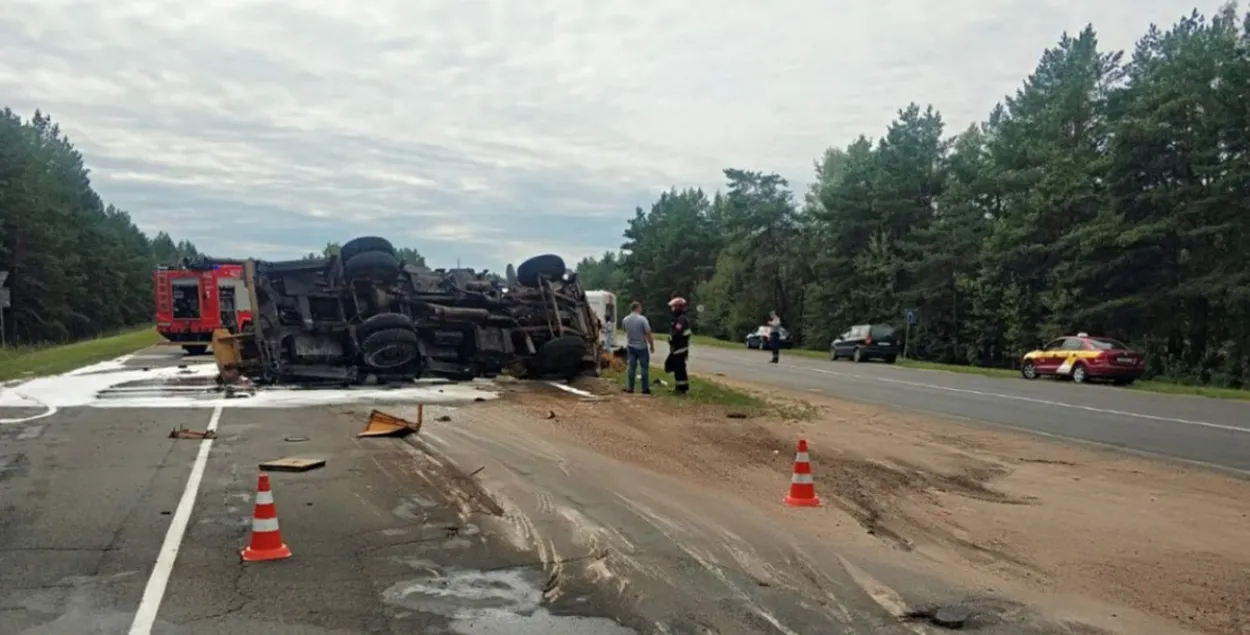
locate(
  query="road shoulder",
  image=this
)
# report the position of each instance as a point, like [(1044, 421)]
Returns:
[(1049, 517)]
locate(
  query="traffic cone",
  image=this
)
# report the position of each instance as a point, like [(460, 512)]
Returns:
[(802, 487), (266, 543)]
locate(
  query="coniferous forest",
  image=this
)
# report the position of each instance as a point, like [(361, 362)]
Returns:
[(77, 266), (1109, 194)]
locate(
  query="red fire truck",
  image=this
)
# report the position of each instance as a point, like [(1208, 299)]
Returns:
[(194, 299)]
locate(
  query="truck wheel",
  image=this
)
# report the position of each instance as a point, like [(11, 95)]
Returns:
[(365, 244), (198, 349), (530, 271), (382, 322), (391, 348), (563, 355), (377, 266)]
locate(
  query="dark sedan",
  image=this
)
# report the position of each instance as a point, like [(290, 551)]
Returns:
[(864, 342), (759, 338)]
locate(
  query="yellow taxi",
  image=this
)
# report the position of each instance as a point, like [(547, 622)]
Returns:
[(1083, 358)]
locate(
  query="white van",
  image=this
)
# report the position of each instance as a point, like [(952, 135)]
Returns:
[(603, 303)]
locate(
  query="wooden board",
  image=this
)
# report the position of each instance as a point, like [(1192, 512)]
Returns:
[(293, 464)]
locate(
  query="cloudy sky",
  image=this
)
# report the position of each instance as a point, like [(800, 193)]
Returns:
[(491, 130)]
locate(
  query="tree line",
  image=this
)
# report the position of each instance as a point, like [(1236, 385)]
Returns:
[(1109, 194), (77, 267)]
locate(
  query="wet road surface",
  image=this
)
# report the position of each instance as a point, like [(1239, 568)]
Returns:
[(87, 496)]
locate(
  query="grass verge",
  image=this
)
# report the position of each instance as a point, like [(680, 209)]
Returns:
[(1147, 386), (709, 392), (27, 362)]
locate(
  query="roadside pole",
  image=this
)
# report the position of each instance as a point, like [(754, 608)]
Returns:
[(6, 299), (909, 316)]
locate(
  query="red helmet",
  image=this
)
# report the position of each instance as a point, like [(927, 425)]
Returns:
[(677, 303)]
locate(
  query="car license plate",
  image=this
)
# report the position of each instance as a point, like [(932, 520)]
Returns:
[(1125, 360)]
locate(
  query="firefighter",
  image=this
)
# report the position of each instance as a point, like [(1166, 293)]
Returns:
[(678, 346)]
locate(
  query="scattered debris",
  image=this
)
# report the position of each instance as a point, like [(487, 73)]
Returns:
[(382, 424), (295, 439), (183, 433), (551, 414), (443, 418), (477, 471), (952, 617), (736, 415), (293, 464)]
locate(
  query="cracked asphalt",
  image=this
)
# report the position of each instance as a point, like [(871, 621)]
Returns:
[(87, 495)]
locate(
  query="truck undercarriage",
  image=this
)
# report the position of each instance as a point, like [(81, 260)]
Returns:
[(363, 317)]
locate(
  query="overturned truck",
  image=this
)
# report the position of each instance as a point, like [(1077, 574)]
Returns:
[(364, 316)]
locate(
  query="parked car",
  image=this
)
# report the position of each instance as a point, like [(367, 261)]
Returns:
[(759, 338), (866, 342), (1084, 358)]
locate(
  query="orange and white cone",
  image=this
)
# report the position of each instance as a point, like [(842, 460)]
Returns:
[(266, 542), (802, 487)]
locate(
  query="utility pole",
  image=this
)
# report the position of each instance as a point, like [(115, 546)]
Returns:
[(6, 299)]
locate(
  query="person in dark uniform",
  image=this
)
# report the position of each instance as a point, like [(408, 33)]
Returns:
[(774, 335), (678, 346)]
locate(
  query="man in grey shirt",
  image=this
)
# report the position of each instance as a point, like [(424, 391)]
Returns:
[(639, 346)]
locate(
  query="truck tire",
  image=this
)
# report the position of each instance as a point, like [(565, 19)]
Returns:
[(530, 271), (564, 355), (382, 322), (195, 349), (391, 348), (365, 244), (377, 266)]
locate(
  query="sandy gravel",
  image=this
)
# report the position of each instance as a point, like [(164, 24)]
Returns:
[(1134, 545)]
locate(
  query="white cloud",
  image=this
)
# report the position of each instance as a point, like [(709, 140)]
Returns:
[(491, 129)]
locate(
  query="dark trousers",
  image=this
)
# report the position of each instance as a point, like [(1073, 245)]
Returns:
[(676, 364), (774, 344)]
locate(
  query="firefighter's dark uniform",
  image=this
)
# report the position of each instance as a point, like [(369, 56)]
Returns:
[(679, 351)]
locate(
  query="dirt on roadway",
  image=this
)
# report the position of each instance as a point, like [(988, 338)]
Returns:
[(1086, 536)]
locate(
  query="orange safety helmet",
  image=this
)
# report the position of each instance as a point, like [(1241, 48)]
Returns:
[(677, 303)]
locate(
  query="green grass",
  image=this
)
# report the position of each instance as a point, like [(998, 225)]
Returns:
[(1147, 386), (702, 391), (27, 362), (709, 392)]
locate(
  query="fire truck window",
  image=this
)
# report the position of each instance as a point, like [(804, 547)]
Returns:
[(186, 297), (239, 291)]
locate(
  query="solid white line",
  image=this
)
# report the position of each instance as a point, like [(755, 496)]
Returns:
[(154, 592), (570, 389), (1044, 402)]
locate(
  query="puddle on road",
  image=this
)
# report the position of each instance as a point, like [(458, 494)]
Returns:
[(503, 602), (114, 385)]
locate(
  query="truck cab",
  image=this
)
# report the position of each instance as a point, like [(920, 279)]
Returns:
[(603, 303)]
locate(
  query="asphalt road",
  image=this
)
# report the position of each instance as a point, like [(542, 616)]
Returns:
[(1214, 432), (403, 535), (87, 496)]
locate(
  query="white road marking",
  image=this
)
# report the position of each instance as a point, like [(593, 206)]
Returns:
[(1044, 402), (568, 388), (154, 592)]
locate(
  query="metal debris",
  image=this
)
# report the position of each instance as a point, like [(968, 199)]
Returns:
[(183, 433)]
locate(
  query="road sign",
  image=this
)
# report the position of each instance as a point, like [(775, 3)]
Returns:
[(910, 316)]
